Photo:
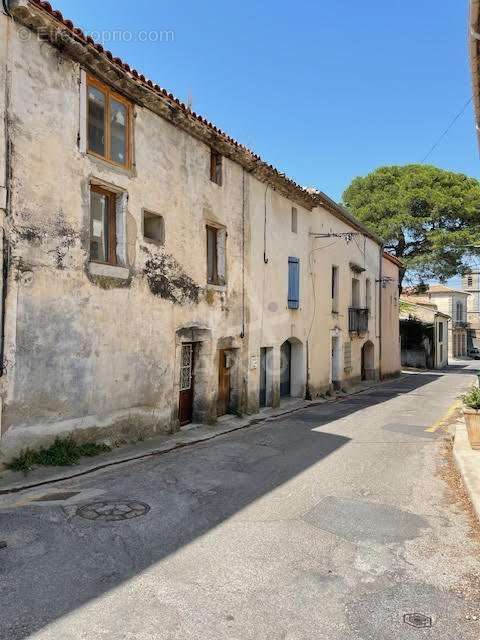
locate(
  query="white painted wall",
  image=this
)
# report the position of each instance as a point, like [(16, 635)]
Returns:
[(390, 319)]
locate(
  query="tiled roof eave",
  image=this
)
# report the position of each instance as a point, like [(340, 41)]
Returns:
[(474, 47), (40, 18)]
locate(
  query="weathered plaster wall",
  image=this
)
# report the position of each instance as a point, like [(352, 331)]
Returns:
[(272, 321), (100, 355), (390, 320), (4, 47), (85, 351), (337, 251)]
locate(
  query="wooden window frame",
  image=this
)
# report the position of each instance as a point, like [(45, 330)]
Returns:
[(215, 280), (216, 175), (111, 224), (294, 220), (335, 287), (111, 95), (293, 302), (153, 214)]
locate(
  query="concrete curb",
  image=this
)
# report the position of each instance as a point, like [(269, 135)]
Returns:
[(467, 462), (130, 453)]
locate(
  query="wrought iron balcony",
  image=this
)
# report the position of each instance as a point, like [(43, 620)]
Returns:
[(357, 320)]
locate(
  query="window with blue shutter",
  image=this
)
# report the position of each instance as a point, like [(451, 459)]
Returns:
[(293, 283)]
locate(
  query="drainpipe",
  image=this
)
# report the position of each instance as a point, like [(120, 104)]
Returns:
[(5, 192), (380, 277), (308, 395), (242, 334)]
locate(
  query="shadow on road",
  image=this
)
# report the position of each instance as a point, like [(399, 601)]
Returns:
[(57, 562)]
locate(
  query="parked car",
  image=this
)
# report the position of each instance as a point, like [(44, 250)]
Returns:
[(474, 353)]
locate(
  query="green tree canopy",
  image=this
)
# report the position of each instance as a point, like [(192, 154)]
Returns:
[(428, 217)]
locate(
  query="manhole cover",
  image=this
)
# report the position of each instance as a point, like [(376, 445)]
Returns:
[(417, 620), (113, 510)]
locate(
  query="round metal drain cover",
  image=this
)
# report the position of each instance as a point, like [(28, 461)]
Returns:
[(113, 510), (418, 620)]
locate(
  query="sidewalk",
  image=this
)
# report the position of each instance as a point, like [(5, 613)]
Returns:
[(467, 461), (14, 481)]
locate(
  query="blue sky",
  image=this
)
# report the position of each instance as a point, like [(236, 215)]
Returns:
[(325, 91)]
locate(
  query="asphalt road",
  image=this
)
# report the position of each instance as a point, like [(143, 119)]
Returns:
[(330, 523)]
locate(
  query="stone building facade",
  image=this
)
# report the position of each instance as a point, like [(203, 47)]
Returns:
[(471, 285), (155, 271)]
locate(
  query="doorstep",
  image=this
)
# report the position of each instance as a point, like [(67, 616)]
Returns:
[(14, 481), (467, 461)]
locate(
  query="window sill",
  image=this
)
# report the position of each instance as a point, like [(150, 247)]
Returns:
[(216, 287), (104, 164), (156, 243), (108, 270)]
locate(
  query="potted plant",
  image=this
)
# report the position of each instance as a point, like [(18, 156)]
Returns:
[(471, 411)]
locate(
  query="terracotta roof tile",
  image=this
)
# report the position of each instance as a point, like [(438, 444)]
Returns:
[(318, 198), (79, 34)]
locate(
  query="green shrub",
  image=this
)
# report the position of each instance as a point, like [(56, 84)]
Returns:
[(471, 399), (63, 452)]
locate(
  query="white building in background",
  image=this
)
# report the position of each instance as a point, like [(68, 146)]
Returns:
[(452, 303)]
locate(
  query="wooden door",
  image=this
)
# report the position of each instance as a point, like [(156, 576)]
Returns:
[(285, 368), (263, 377), (185, 406), (223, 399)]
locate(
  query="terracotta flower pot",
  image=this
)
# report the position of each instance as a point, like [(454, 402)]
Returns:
[(472, 420)]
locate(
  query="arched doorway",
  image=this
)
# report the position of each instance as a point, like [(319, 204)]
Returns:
[(285, 369), (368, 361), (292, 369)]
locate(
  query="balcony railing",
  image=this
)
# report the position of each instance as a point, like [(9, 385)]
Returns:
[(357, 320)]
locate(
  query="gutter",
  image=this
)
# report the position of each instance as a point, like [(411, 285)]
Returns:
[(473, 45), (61, 33), (380, 307)]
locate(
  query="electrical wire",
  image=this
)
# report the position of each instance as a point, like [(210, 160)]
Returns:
[(442, 136)]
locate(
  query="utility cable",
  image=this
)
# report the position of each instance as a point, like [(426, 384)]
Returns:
[(442, 136)]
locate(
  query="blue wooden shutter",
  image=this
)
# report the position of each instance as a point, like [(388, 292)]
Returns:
[(293, 283)]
